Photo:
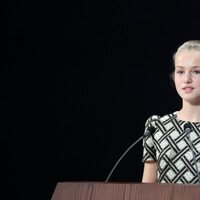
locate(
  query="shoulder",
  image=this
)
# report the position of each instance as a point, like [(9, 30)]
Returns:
[(168, 117), (154, 119)]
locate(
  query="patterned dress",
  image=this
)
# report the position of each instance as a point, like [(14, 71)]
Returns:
[(177, 154)]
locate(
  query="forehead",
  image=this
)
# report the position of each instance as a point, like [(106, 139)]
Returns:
[(187, 58)]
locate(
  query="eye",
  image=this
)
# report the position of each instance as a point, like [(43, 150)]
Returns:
[(196, 71), (179, 72)]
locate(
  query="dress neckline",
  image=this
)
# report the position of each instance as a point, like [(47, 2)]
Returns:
[(180, 120)]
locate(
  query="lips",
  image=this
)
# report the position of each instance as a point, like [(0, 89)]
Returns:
[(187, 89)]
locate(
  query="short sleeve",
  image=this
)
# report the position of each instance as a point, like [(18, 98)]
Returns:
[(149, 151)]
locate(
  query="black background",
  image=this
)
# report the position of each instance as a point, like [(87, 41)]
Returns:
[(78, 81)]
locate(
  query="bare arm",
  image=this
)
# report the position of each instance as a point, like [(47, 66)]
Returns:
[(150, 172)]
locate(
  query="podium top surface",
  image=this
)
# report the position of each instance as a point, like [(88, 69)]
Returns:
[(125, 191)]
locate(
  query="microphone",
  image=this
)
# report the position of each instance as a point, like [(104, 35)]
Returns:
[(188, 128), (150, 130)]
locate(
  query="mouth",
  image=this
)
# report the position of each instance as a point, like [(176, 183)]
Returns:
[(187, 89)]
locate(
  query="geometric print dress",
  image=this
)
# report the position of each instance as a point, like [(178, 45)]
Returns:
[(176, 153)]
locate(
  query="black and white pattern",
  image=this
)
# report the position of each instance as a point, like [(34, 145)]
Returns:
[(169, 146)]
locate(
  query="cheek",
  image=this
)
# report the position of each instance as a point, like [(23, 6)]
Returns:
[(177, 84), (176, 81), (197, 81)]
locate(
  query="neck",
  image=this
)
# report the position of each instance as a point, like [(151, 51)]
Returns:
[(189, 112)]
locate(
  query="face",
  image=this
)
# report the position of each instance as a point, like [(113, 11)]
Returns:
[(187, 75)]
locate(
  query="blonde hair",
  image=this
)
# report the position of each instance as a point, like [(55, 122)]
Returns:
[(189, 45)]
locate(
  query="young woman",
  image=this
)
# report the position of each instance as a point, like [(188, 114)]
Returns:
[(172, 153)]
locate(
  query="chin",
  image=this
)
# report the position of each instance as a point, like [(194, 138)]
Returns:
[(194, 102)]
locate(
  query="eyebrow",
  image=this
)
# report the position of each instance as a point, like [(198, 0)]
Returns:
[(193, 67)]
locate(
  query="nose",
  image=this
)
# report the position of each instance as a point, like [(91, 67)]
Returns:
[(187, 78)]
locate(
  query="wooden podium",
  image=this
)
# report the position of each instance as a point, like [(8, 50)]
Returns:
[(125, 191)]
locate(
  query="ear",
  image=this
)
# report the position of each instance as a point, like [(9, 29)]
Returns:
[(172, 80), (172, 76)]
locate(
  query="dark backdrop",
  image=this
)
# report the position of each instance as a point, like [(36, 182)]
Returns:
[(78, 81)]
